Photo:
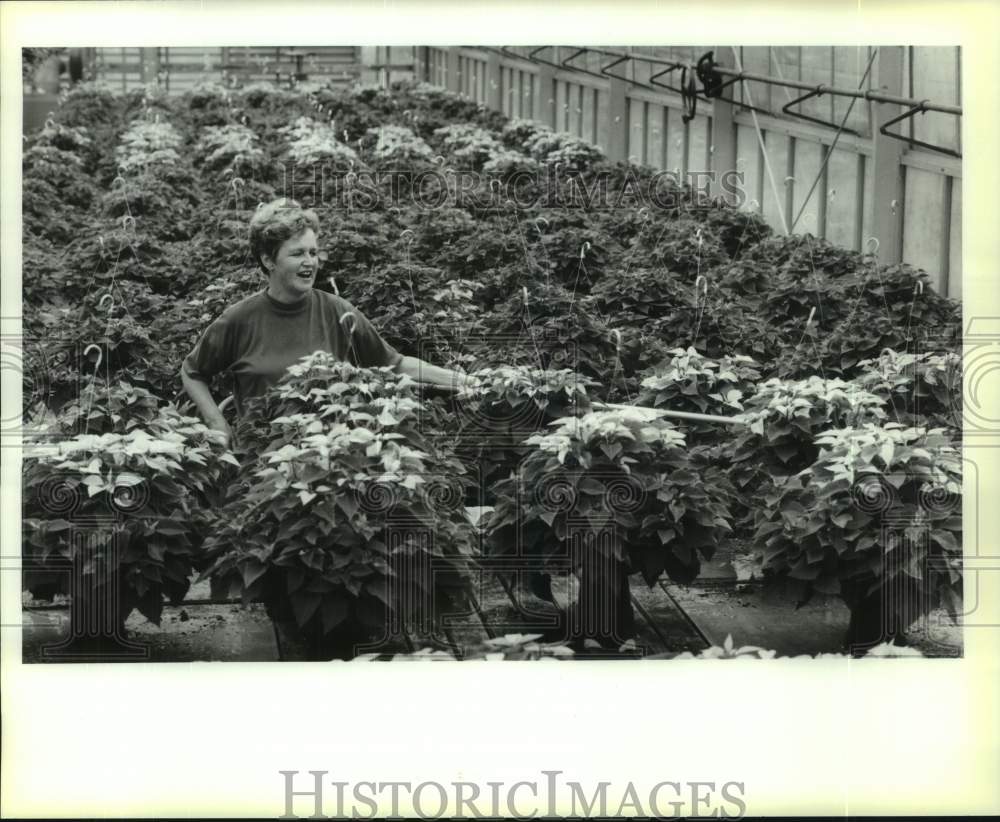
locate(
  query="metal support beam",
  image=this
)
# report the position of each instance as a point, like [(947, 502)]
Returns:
[(618, 126), (422, 55), (150, 59), (545, 96), (454, 81), (887, 191), (493, 81), (723, 153)]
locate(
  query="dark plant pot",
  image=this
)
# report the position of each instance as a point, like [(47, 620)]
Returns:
[(881, 616), (310, 644), (603, 611), (97, 630)]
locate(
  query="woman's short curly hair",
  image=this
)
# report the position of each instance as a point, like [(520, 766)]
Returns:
[(275, 222)]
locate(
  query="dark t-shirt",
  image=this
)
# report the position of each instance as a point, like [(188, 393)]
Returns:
[(259, 337)]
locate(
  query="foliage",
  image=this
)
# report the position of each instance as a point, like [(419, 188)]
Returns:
[(165, 198), (738, 231), (110, 409), (468, 145), (880, 506), (504, 406), (684, 247), (504, 164), (917, 386), (639, 295), (147, 143), (544, 326), (517, 277), (560, 148), (618, 474), (729, 650), (152, 481), (311, 142), (339, 513), (783, 419), (229, 149), (397, 144), (687, 381), (57, 189)]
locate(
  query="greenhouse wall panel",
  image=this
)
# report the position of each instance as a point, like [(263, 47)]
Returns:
[(924, 231)]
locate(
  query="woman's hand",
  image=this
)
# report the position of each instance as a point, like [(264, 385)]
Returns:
[(207, 407), (223, 428), (425, 372)]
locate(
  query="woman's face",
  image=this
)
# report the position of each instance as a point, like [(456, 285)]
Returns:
[(293, 268)]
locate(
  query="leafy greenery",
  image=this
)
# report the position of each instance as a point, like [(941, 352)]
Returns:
[(152, 484), (339, 520), (918, 386), (552, 277), (879, 505), (783, 418), (619, 474), (504, 407), (687, 381)]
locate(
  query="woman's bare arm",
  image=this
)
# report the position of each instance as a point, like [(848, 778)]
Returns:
[(210, 412), (422, 371)]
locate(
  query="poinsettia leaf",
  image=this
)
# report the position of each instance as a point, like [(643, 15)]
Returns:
[(304, 605), (333, 611), (251, 571)]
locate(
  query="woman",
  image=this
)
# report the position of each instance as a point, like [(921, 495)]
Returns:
[(260, 336)]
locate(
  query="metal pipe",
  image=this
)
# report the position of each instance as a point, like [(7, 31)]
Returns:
[(638, 410), (873, 96), (736, 74), (653, 413)]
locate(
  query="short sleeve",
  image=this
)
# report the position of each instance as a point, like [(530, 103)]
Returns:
[(367, 347), (212, 354)]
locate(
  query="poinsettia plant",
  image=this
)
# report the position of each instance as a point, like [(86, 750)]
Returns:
[(145, 143), (348, 516), (687, 381), (918, 386), (638, 295), (151, 486), (616, 473), (310, 140), (783, 419), (503, 406), (469, 146), (229, 149), (559, 147), (543, 325), (57, 183), (876, 517), (392, 145), (684, 246), (109, 409)]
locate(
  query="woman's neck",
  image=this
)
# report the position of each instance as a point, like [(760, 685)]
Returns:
[(288, 300)]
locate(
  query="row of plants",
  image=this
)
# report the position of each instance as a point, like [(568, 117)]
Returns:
[(136, 214)]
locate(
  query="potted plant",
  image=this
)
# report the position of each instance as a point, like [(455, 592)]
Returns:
[(605, 495), (346, 520), (782, 420), (688, 381), (876, 519), (506, 405), (917, 387), (115, 519)]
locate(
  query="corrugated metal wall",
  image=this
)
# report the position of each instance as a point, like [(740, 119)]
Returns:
[(181, 68), (841, 207)]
